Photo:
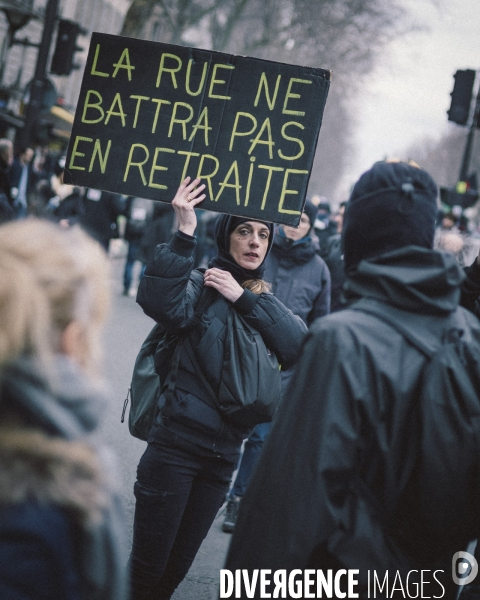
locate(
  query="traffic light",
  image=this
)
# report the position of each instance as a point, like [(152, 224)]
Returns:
[(452, 197), (66, 46), (461, 96), (42, 131)]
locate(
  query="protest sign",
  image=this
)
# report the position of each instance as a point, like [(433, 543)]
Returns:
[(149, 114)]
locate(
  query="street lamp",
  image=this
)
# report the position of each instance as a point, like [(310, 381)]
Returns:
[(18, 15)]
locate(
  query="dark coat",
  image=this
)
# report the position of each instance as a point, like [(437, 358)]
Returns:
[(71, 208), (300, 278), (168, 294), (341, 455), (61, 529), (5, 180), (158, 231), (15, 174), (7, 211), (139, 212), (470, 298), (100, 215)]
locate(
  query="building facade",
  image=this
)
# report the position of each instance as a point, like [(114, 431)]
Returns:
[(22, 22)]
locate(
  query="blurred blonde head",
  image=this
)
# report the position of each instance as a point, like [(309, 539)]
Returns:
[(54, 293)]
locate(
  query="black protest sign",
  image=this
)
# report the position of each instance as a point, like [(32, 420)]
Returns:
[(149, 114)]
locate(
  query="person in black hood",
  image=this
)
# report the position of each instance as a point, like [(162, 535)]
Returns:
[(193, 447), (344, 480)]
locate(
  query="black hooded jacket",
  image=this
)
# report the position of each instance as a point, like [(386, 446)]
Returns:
[(168, 293), (342, 451)]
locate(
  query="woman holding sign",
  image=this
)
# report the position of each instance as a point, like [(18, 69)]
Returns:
[(194, 444)]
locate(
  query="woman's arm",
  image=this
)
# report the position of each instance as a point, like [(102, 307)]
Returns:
[(281, 330), (166, 293)]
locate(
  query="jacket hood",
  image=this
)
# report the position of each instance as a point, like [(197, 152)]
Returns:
[(411, 278)]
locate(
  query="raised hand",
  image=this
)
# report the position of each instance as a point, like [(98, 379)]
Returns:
[(188, 195)]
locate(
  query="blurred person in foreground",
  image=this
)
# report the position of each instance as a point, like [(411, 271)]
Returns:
[(345, 478), (61, 532)]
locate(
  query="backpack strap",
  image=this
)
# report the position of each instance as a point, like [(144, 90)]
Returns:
[(427, 344), (207, 297)]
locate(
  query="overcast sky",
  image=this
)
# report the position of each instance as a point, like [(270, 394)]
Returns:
[(406, 98)]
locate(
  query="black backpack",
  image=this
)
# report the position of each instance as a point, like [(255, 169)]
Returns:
[(448, 409), (144, 389), (152, 367)]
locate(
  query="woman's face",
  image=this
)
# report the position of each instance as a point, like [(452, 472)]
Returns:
[(249, 243)]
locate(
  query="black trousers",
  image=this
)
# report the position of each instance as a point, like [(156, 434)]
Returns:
[(178, 494)]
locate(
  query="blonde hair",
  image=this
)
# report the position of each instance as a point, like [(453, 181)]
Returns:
[(50, 277), (257, 286)]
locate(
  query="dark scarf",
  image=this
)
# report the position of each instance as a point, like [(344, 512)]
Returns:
[(224, 260), (290, 252)]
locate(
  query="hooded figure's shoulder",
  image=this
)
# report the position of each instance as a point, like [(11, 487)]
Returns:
[(355, 334), (343, 322)]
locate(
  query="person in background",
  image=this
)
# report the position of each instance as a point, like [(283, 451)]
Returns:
[(361, 469), (158, 231), (61, 527), (324, 226), (139, 212), (66, 206), (334, 259), (301, 281), (22, 181), (449, 222), (7, 211), (102, 210)]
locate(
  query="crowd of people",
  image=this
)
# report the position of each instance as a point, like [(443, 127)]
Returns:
[(364, 322)]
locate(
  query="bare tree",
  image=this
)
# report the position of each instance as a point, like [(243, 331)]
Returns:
[(344, 32), (442, 158), (342, 35)]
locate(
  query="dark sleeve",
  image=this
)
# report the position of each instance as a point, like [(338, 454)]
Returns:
[(281, 330), (166, 292), (470, 291)]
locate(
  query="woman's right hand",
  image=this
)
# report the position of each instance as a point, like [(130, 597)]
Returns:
[(187, 197)]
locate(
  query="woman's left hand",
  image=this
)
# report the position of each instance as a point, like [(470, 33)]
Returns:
[(224, 283)]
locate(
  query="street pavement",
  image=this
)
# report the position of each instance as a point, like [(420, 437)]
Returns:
[(125, 331)]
